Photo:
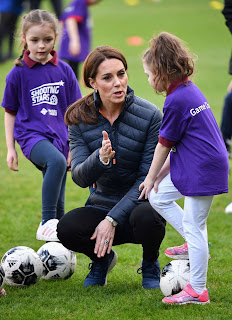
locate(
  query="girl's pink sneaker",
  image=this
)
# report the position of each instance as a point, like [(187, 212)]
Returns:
[(178, 252), (2, 292), (187, 296)]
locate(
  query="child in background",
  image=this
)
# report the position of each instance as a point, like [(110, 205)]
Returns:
[(197, 167), (76, 37), (38, 91)]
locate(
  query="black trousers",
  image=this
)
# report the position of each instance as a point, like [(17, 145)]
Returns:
[(74, 65), (226, 122), (145, 227), (8, 22), (57, 5)]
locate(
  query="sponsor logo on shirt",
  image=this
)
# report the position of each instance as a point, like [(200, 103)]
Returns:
[(47, 93), (199, 109), (51, 112)]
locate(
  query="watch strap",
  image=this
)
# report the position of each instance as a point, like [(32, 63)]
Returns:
[(112, 221)]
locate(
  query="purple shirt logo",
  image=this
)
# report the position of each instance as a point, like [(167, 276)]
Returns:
[(46, 93)]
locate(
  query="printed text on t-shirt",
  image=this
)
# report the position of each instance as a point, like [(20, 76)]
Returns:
[(197, 110), (47, 93)]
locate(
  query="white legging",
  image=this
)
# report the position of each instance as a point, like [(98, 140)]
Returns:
[(190, 223)]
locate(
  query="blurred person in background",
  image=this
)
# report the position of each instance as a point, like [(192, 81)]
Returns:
[(57, 6), (76, 36), (226, 122), (10, 10)]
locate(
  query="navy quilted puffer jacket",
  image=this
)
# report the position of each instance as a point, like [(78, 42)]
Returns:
[(134, 136)]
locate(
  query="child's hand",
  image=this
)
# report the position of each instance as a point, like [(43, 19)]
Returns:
[(74, 48), (146, 187), (12, 160)]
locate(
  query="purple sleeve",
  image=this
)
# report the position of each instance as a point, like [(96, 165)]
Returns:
[(173, 124), (76, 8), (10, 96)]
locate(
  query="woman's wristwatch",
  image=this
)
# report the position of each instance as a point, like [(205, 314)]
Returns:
[(112, 221)]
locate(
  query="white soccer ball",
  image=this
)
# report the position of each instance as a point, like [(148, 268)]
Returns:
[(174, 277), (22, 266), (2, 277), (58, 261)]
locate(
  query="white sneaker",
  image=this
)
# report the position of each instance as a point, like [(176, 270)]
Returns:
[(47, 231), (228, 209)]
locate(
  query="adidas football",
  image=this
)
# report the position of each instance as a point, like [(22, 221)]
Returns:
[(2, 277), (22, 266), (174, 277), (58, 261)]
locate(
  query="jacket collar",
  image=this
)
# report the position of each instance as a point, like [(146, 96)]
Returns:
[(128, 99)]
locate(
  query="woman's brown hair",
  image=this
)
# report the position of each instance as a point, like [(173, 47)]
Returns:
[(168, 59), (84, 110), (35, 17)]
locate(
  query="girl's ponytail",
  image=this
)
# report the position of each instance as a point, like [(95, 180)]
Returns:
[(18, 61)]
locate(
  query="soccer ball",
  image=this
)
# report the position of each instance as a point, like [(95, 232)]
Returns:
[(58, 261), (174, 277), (2, 277), (22, 266)]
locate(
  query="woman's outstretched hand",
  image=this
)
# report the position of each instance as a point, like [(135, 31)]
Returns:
[(106, 151)]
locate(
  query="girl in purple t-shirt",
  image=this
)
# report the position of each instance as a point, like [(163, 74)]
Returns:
[(38, 91), (190, 160)]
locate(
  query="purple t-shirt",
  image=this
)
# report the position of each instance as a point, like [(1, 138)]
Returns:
[(40, 96), (78, 10), (199, 161)]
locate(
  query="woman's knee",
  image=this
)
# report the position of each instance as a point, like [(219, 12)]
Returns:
[(145, 214), (72, 221), (147, 224), (77, 226), (68, 228)]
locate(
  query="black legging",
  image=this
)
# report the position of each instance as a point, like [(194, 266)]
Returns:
[(8, 22), (57, 5), (146, 227), (74, 65)]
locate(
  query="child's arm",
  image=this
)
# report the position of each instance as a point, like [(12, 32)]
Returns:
[(74, 43), (163, 173), (12, 157), (160, 155)]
